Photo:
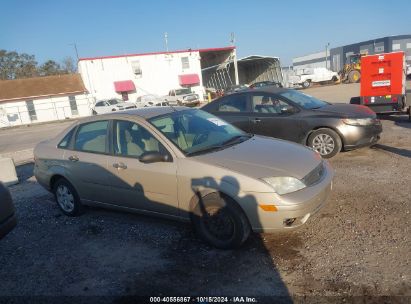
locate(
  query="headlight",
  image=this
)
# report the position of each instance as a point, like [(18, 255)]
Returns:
[(358, 121), (284, 184)]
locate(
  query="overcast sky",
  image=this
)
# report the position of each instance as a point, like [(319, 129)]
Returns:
[(47, 28)]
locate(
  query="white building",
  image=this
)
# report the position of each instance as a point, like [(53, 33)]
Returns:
[(133, 75), (40, 99)]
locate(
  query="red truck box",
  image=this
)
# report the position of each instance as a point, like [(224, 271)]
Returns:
[(383, 82)]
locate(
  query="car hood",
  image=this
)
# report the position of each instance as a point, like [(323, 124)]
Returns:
[(347, 110), (124, 104), (262, 156)]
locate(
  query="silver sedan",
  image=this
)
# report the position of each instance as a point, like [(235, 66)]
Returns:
[(185, 164)]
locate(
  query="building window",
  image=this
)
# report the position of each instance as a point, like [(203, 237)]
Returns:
[(379, 48), (396, 46), (135, 66), (31, 110), (73, 105), (185, 64), (408, 45)]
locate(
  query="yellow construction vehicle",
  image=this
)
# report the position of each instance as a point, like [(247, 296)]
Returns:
[(351, 71)]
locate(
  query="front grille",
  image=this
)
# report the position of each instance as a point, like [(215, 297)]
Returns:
[(315, 175)]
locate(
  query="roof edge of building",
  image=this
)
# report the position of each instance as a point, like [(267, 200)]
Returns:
[(226, 48), (42, 96)]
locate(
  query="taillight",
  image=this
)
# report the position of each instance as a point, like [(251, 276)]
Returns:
[(366, 100), (394, 99)]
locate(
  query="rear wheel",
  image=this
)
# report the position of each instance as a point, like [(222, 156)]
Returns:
[(354, 76), (326, 142), (67, 198), (220, 221)]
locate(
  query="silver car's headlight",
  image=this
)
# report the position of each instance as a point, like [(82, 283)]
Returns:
[(284, 184), (358, 121)]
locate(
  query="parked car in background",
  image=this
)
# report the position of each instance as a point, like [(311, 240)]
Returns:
[(182, 97), (111, 105), (235, 88), (292, 115), (306, 77), (150, 101), (227, 182), (261, 84), (7, 215)]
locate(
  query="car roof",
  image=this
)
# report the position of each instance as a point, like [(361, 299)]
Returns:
[(145, 113), (266, 89)]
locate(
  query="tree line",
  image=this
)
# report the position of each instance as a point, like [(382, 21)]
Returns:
[(16, 66)]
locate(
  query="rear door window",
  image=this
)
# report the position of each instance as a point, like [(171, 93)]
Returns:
[(92, 137)]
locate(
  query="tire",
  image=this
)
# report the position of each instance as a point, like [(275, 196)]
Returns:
[(354, 76), (334, 79), (94, 112), (325, 141), (220, 221), (306, 84), (67, 198)]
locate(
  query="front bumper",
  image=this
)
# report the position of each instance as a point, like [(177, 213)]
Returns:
[(359, 136), (7, 225), (297, 207)]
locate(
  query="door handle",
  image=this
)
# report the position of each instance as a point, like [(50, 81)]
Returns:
[(256, 120), (73, 158), (120, 166)]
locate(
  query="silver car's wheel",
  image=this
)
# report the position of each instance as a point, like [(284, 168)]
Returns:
[(323, 144), (65, 198), (325, 141), (220, 221)]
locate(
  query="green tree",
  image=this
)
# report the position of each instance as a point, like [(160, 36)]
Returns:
[(50, 67), (14, 65)]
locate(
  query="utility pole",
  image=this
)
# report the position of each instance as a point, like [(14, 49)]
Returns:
[(326, 55), (75, 49), (232, 40), (166, 40)]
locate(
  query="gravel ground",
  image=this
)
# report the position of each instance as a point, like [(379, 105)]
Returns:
[(358, 245)]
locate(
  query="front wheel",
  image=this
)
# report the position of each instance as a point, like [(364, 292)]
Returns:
[(220, 221), (326, 142)]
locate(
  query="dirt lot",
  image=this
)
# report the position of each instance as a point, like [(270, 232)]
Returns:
[(358, 245)]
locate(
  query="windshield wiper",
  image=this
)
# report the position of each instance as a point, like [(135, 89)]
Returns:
[(204, 150), (235, 139), (224, 144)]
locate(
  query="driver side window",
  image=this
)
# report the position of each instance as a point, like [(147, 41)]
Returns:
[(132, 140), (268, 104)]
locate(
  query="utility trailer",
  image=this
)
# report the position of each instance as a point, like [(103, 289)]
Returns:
[(383, 83)]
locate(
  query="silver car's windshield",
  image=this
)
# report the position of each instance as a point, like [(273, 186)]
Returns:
[(195, 131), (112, 101), (304, 100)]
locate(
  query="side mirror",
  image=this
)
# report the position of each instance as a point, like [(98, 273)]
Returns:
[(153, 157)]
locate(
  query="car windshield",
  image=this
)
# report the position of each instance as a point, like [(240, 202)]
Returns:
[(183, 91), (196, 132), (303, 100), (112, 101)]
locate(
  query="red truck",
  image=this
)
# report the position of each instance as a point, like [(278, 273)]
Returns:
[(383, 83)]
